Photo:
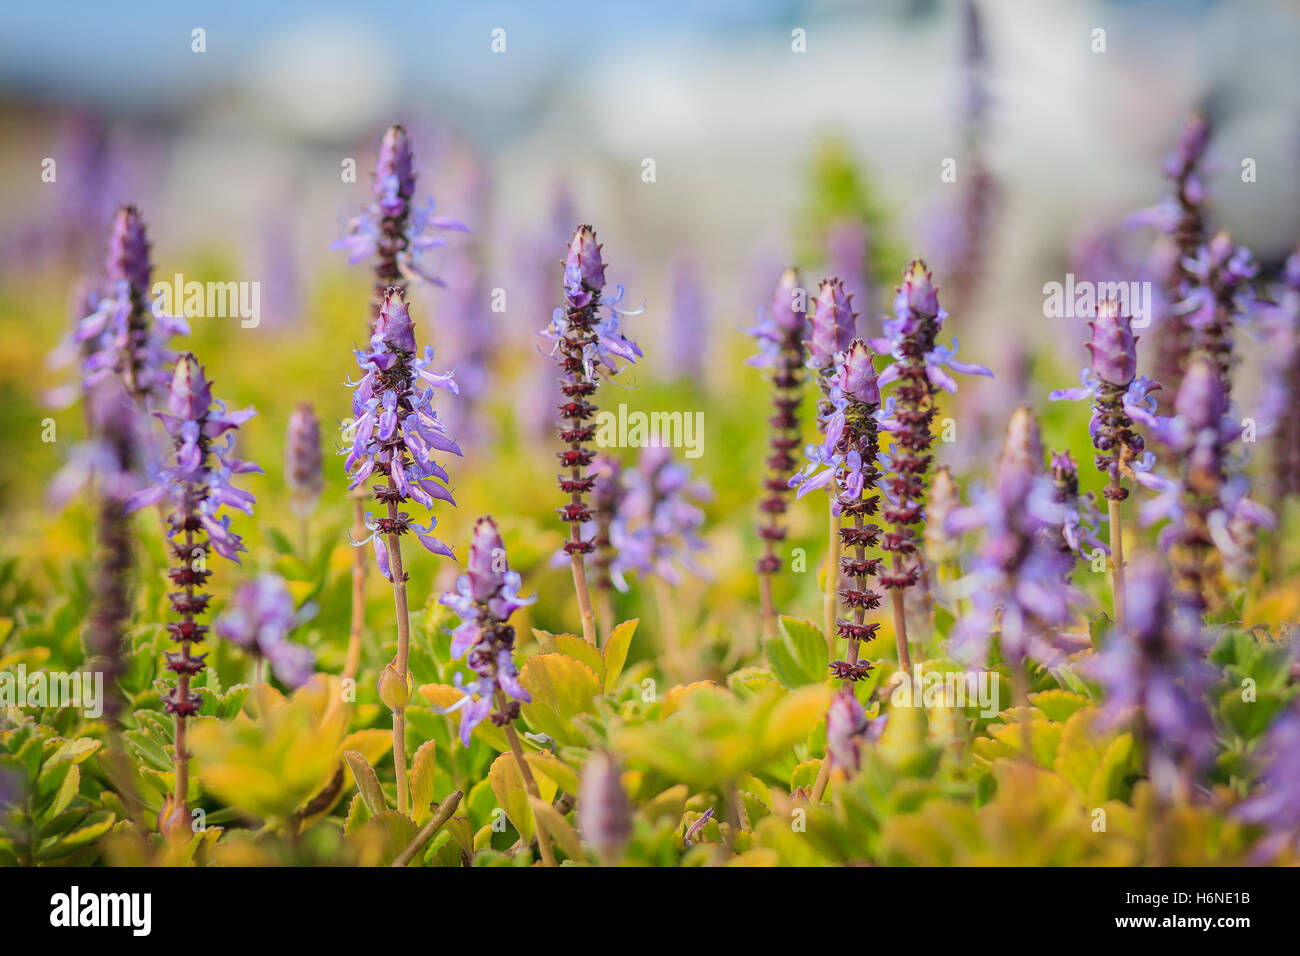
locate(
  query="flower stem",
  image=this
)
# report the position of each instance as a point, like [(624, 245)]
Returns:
[(403, 651), (769, 608), (180, 801), (584, 596), (900, 619), (445, 810), (668, 625), (358, 588), (832, 580), (1117, 558), (530, 784)]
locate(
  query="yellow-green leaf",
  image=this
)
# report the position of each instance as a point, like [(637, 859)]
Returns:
[(367, 782), (562, 687), (572, 645), (422, 781), (616, 648), (558, 827)]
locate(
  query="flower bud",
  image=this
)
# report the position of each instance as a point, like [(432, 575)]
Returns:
[(583, 259), (832, 323), (303, 461), (191, 393), (789, 302), (1200, 401), (1113, 346), (394, 324), (604, 816), (858, 375), (846, 723), (394, 691), (487, 560), (128, 251), (395, 168)]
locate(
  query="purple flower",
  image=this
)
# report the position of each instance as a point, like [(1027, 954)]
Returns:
[(259, 620), (604, 816), (589, 345), (781, 333), (1155, 669), (1217, 294), (123, 336), (657, 529), (833, 325), (1276, 804), (198, 485), (920, 367), (1018, 591), (1114, 346), (397, 431), (1281, 322), (846, 727), (303, 461), (485, 598), (391, 229), (1209, 507), (1080, 518)]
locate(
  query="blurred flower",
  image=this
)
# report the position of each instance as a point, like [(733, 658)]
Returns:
[(391, 228), (124, 335), (846, 727), (485, 598), (656, 531), (781, 333), (1218, 293), (1154, 673), (833, 325), (1276, 804), (1080, 518), (259, 619), (688, 320), (303, 460), (1281, 379), (604, 815)]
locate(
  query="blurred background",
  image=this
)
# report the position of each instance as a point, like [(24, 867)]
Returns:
[(711, 144)]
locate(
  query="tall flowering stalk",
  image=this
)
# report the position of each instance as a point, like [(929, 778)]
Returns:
[(781, 335), (198, 485), (833, 323), (485, 598), (1282, 382), (391, 228), (1218, 296), (1155, 678), (123, 336), (397, 433), (587, 346), (1209, 505), (921, 368), (848, 457), (1119, 397), (1181, 218), (394, 232)]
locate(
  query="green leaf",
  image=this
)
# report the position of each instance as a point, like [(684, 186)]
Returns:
[(367, 782), (573, 646), (562, 688), (512, 796), (616, 648), (798, 654), (422, 782)]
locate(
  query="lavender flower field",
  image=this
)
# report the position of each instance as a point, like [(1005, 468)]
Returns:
[(503, 473)]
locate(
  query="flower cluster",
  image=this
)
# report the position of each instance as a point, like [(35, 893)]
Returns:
[(1120, 397), (123, 335), (391, 228), (198, 485), (1282, 379), (588, 342), (1154, 673), (849, 454), (1208, 507), (657, 528), (781, 334), (1080, 519), (1217, 294), (397, 430), (1276, 805), (1181, 219), (485, 597), (921, 367), (1018, 588), (259, 619)]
